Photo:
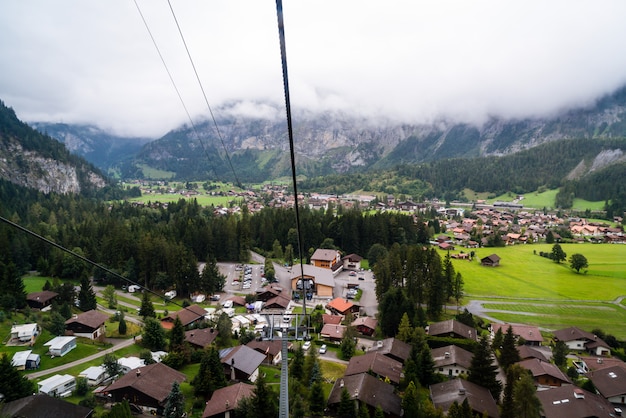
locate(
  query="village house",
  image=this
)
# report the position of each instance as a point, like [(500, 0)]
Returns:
[(370, 391), (241, 363), (352, 262), (376, 364), (88, 324), (326, 259), (333, 333), (611, 384), (225, 400), (480, 400), (529, 334), (200, 338), (573, 402), (492, 260), (365, 325), (41, 405), (451, 361), (453, 329), (393, 348), (40, 300), (272, 350), (147, 387), (315, 280), (579, 340), (545, 374), (341, 306), (190, 315)]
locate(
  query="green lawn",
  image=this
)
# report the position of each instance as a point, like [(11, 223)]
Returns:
[(541, 292)]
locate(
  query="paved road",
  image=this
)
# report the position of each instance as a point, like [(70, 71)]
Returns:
[(118, 344)]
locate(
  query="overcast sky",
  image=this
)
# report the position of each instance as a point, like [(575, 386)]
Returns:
[(78, 61)]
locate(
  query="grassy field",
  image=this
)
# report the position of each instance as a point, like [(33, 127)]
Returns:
[(537, 291)]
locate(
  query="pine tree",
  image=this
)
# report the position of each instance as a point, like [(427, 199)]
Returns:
[(509, 354), (57, 324), (525, 401), (177, 335), (86, 297), (121, 328), (153, 336), (560, 354), (364, 411), (175, 403), (12, 384), (411, 403), (512, 376), (119, 410), (346, 405), (201, 382), (482, 371), (296, 368), (317, 400), (264, 399), (147, 309), (405, 331), (379, 413)]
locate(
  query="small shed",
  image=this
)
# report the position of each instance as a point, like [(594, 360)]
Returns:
[(492, 260)]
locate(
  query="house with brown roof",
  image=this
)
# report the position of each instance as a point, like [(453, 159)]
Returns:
[(341, 306), (376, 364), (492, 260), (526, 352), (326, 259), (190, 315), (393, 348), (224, 401), (451, 361), (453, 329), (573, 402), (41, 405), (278, 302), (333, 333), (241, 363), (611, 384), (352, 262), (39, 300), (271, 349), (372, 392), (147, 386), (200, 338), (268, 292), (366, 325), (577, 339), (88, 324), (331, 319), (480, 400), (545, 374), (531, 335)]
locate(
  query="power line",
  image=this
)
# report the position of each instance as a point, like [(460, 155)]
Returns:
[(169, 74), (219, 134)]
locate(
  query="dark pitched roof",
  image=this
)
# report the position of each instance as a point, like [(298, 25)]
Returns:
[(573, 402), (352, 257), (187, 315), (92, 319), (368, 390), (450, 355), (542, 368), (610, 381), (201, 337), (526, 352), (154, 381), (527, 332), (331, 319), (451, 326), (272, 347), (246, 359), (44, 406), (394, 348), (325, 255), (42, 296), (479, 398), (378, 363), (366, 321), (227, 399), (277, 302)]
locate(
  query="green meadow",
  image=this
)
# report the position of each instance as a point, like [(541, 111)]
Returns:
[(528, 288)]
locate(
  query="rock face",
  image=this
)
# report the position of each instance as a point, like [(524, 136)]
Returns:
[(30, 159)]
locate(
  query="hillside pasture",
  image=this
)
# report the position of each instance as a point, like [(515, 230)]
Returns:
[(530, 289)]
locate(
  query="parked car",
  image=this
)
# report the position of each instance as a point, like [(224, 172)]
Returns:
[(323, 349), (352, 273), (306, 345)]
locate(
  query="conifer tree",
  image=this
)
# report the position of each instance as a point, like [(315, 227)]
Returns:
[(147, 309), (482, 371), (86, 297), (346, 405), (12, 384), (411, 403), (405, 331), (175, 403), (525, 401), (509, 354), (177, 335), (317, 400)]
